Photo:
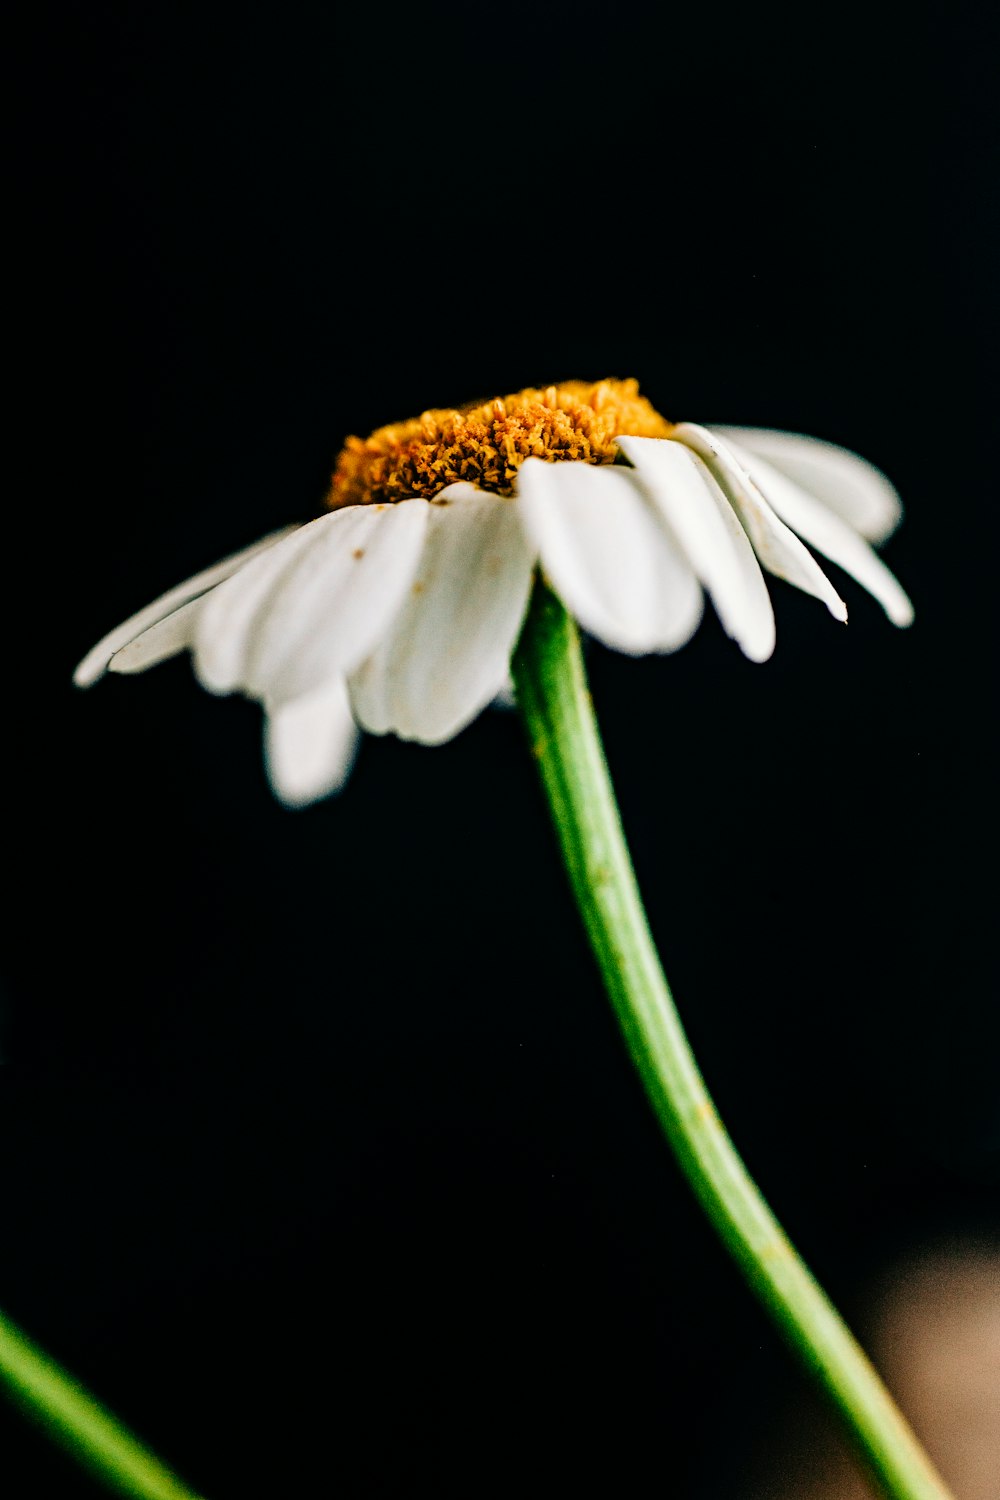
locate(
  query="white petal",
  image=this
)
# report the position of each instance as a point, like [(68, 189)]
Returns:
[(859, 492), (96, 660), (224, 626), (160, 641), (447, 653), (779, 549), (608, 555), (825, 531), (310, 744), (505, 697), (701, 519), (236, 615), (328, 610)]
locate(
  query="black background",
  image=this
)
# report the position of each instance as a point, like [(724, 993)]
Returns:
[(322, 1161)]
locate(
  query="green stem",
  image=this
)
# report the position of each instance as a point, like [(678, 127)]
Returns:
[(76, 1420), (552, 695)]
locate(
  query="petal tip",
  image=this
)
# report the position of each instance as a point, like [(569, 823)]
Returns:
[(296, 801), (87, 673), (758, 651)]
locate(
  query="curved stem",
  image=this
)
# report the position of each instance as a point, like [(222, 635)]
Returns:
[(76, 1420), (552, 695)]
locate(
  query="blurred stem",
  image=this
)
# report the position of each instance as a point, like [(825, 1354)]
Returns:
[(72, 1417), (555, 704)]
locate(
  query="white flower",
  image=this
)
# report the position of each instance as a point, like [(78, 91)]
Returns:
[(399, 612)]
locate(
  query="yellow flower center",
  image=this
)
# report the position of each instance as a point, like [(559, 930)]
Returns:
[(486, 444)]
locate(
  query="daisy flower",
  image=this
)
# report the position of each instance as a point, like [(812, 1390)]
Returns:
[(456, 552), (398, 609)]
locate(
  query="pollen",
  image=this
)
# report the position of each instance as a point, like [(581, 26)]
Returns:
[(486, 443)]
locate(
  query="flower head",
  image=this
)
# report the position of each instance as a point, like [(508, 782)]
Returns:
[(399, 608)]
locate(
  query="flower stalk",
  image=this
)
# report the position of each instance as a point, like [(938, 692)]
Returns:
[(552, 695), (74, 1418)]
